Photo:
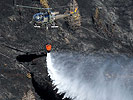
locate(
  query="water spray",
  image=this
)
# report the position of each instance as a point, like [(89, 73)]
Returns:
[(92, 77)]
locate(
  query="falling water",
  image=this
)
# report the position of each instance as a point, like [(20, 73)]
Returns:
[(93, 76)]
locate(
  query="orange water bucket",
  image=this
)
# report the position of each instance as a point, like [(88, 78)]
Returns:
[(48, 47)]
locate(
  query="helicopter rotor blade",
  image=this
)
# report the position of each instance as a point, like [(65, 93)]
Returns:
[(63, 6), (29, 7)]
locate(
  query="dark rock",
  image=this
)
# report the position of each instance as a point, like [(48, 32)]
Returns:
[(108, 29)]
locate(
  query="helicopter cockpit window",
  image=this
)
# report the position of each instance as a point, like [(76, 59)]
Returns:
[(38, 17)]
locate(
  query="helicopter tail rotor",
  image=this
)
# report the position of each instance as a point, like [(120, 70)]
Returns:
[(74, 12)]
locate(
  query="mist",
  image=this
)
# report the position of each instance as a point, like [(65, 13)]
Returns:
[(92, 76)]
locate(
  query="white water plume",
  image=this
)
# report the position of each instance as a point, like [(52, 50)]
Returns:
[(92, 77)]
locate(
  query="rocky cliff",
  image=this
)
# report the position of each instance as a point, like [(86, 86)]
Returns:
[(106, 27)]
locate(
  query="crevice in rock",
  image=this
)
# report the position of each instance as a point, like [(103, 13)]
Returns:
[(45, 89)]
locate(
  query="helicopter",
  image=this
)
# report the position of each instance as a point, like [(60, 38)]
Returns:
[(47, 19)]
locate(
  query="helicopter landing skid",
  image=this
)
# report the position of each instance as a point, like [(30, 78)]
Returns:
[(46, 26), (54, 26), (37, 26)]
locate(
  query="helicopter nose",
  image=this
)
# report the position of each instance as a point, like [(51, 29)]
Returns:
[(48, 47)]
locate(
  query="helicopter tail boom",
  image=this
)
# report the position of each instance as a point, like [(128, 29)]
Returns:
[(61, 16), (54, 13)]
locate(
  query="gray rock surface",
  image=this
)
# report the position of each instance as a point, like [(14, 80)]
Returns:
[(106, 26)]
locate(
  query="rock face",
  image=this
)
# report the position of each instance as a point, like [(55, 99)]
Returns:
[(74, 21), (44, 3), (106, 26)]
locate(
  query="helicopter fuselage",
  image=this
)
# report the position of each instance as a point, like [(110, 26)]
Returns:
[(43, 19)]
